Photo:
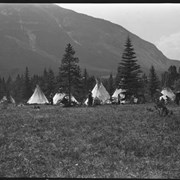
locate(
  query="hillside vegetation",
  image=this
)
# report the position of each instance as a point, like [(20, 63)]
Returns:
[(104, 141)]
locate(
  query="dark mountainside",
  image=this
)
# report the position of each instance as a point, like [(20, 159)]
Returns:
[(35, 35)]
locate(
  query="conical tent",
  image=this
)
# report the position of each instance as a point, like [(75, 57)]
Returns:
[(59, 96), (3, 99), (11, 99), (99, 92), (38, 97), (118, 91), (169, 93)]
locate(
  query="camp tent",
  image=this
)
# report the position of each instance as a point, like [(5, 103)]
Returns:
[(3, 99), (99, 92), (38, 97), (169, 93), (116, 92), (11, 99), (59, 96)]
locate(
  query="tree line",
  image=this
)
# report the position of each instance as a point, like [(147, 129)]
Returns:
[(72, 80)]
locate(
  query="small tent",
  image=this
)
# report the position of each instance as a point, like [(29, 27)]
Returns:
[(59, 96), (10, 100), (99, 92), (38, 97), (3, 99), (169, 93), (116, 92)]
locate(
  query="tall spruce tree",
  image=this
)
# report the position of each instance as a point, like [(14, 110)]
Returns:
[(27, 85), (129, 71), (50, 82), (154, 82), (144, 83), (110, 85), (18, 88), (69, 71), (85, 83)]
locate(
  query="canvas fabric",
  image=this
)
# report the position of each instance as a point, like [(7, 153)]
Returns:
[(99, 92), (168, 92), (59, 96), (38, 97)]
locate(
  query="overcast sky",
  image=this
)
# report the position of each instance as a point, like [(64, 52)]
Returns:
[(156, 23)]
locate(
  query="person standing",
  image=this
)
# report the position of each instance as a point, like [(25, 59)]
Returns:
[(90, 99), (51, 98)]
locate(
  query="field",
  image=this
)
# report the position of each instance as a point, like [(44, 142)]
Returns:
[(120, 141)]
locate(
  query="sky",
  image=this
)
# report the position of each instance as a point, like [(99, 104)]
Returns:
[(157, 23)]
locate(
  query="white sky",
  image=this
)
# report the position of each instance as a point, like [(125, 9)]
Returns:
[(156, 23)]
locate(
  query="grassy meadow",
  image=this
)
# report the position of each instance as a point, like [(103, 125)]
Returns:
[(118, 141)]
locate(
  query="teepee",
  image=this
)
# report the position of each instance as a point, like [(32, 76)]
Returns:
[(59, 96), (118, 91), (10, 99), (99, 92), (169, 93), (38, 97)]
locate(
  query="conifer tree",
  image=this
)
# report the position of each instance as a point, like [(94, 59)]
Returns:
[(165, 79), (27, 85), (129, 71), (85, 83), (154, 82), (144, 83), (110, 85), (69, 71), (50, 82)]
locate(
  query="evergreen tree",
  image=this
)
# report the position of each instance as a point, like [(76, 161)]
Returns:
[(85, 83), (35, 80), (91, 83), (173, 75), (50, 82), (129, 71), (18, 88), (8, 87), (111, 85), (165, 79), (69, 71), (44, 81), (154, 82), (27, 85), (177, 85), (144, 83)]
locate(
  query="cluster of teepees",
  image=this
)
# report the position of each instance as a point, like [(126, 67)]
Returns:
[(39, 97)]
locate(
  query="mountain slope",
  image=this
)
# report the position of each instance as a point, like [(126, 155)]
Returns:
[(35, 35)]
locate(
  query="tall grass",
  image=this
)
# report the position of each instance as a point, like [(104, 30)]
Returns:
[(124, 141)]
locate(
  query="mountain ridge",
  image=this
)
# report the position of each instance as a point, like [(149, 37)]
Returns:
[(36, 36)]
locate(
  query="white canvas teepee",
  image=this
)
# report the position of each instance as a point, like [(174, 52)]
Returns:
[(118, 91), (99, 92), (169, 93), (3, 99), (11, 99), (59, 96), (38, 97)]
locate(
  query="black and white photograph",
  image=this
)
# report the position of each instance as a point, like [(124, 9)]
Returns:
[(90, 90)]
